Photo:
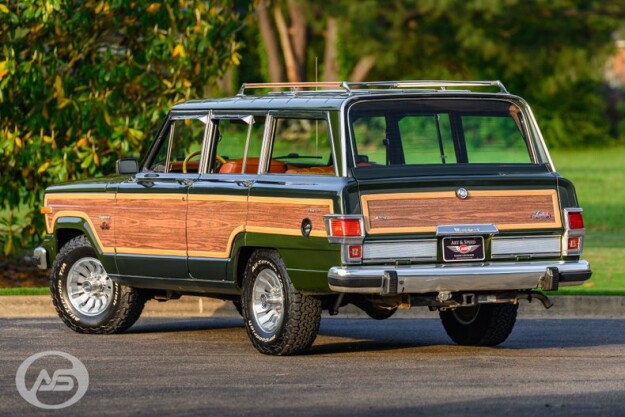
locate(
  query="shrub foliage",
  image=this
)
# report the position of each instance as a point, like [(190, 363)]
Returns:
[(83, 83)]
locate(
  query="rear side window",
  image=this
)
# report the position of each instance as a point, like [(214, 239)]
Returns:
[(301, 146), (441, 131), (233, 137)]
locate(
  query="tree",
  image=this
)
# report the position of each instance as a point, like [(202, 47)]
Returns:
[(551, 53), (83, 83)]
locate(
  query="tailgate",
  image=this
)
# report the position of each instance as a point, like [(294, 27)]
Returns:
[(443, 220)]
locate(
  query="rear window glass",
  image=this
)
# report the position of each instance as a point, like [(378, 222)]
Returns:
[(441, 131)]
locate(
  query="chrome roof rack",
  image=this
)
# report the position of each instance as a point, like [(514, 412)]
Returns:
[(348, 87), (293, 87)]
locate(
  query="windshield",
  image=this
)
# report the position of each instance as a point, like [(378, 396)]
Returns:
[(438, 132)]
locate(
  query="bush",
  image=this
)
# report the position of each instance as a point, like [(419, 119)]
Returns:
[(83, 83)]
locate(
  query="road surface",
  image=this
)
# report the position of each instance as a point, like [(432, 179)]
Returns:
[(357, 367)]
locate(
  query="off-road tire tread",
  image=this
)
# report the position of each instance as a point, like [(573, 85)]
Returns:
[(491, 328), (302, 314), (130, 305)]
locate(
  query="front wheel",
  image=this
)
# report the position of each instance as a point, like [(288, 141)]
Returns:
[(481, 325), (279, 319), (85, 297)]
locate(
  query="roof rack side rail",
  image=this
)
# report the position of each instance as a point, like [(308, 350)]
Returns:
[(293, 86), (349, 86), (444, 84)]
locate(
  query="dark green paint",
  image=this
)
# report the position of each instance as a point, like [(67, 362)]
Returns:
[(307, 259)]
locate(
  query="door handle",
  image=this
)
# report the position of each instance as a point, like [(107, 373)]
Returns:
[(186, 182)]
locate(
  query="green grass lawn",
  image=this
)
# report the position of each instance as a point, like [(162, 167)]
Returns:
[(25, 291), (599, 177)]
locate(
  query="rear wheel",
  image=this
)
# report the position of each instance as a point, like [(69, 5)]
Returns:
[(85, 297), (279, 319), (481, 325)]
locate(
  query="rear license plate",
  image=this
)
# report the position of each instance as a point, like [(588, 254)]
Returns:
[(456, 249)]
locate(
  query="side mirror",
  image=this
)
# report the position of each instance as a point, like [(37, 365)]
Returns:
[(126, 166)]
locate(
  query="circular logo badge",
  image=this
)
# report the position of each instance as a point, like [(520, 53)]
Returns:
[(56, 382), (462, 193)]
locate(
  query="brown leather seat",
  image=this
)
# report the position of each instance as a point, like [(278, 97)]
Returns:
[(235, 166), (329, 170)]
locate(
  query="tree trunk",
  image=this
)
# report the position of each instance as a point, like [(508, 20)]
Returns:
[(330, 65), (269, 40), (298, 32), (287, 49), (362, 68)]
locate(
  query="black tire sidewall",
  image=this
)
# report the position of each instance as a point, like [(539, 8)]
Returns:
[(480, 331), (61, 269), (257, 264)]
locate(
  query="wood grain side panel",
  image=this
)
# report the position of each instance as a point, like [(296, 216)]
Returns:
[(212, 226), (283, 217), (422, 213), (168, 224), (98, 211), (151, 226)]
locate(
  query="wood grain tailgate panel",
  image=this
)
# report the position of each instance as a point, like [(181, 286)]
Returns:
[(422, 212)]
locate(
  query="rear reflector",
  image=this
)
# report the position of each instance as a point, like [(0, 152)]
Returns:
[(576, 221), (573, 244), (354, 252), (349, 227)]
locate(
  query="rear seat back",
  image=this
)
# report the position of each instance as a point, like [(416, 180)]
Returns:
[(235, 166)]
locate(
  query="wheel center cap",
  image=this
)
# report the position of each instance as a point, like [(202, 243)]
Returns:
[(93, 286), (263, 300)]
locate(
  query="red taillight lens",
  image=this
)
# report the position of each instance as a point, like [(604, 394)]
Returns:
[(345, 227), (576, 221)]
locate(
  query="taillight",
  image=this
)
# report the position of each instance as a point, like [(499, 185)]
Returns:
[(346, 227), (576, 220), (349, 231), (573, 238)]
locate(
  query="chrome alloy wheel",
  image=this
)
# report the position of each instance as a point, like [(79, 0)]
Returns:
[(268, 301), (89, 287)]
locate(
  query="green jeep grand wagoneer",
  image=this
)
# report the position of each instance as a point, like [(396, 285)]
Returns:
[(312, 196)]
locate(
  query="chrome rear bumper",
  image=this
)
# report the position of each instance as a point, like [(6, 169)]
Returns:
[(491, 276)]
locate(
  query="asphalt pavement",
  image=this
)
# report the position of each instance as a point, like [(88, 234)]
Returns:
[(357, 367)]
